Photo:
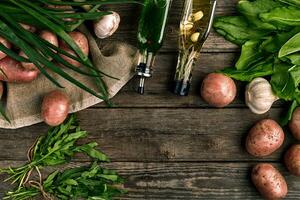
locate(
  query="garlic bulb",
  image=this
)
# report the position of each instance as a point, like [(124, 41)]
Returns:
[(259, 96), (107, 25)]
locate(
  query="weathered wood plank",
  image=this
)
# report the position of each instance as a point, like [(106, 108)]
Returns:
[(188, 180), (146, 135), (128, 28), (158, 88)]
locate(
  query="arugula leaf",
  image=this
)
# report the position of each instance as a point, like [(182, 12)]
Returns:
[(56, 148)]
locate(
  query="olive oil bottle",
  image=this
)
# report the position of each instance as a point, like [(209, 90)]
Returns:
[(195, 25), (150, 36)]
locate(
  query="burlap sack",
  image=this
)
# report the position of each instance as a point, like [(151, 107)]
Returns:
[(23, 101)]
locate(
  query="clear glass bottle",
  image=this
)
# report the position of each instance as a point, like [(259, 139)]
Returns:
[(195, 26), (150, 36)]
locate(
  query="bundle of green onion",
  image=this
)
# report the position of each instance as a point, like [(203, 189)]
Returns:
[(51, 15)]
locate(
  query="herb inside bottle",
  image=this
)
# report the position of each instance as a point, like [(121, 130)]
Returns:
[(195, 26)]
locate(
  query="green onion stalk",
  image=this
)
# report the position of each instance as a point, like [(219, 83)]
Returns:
[(44, 15)]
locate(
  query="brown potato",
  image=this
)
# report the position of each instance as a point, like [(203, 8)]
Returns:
[(82, 42), (265, 137), (15, 73), (269, 182), (292, 159), (6, 44), (218, 90), (294, 124), (55, 108)]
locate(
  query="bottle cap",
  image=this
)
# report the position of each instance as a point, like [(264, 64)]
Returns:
[(181, 88)]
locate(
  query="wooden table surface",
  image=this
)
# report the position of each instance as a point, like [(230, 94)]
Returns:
[(170, 147)]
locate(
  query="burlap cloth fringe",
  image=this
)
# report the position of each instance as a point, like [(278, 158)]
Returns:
[(23, 101)]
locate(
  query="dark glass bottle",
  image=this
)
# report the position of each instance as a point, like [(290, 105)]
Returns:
[(150, 36)]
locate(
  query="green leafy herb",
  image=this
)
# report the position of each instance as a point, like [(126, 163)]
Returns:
[(56, 148), (269, 33), (93, 183)]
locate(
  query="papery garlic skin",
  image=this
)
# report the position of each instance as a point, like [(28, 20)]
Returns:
[(107, 25), (259, 96)]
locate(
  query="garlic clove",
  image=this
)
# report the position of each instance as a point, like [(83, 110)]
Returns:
[(197, 16), (195, 37), (107, 25), (186, 27), (259, 96)]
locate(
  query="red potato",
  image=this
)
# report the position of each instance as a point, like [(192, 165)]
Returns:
[(218, 90), (294, 124), (7, 44), (1, 89), (81, 40), (15, 73), (50, 37), (265, 137), (68, 59), (28, 27), (27, 65), (292, 159), (269, 182), (46, 35), (55, 108)]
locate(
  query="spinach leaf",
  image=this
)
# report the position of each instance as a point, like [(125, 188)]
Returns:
[(282, 16), (291, 46), (252, 9), (284, 121), (236, 29), (295, 74), (282, 82), (262, 68), (293, 58), (275, 42), (292, 2), (250, 54)]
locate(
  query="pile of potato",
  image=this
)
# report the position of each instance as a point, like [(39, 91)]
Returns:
[(263, 139), (55, 106)]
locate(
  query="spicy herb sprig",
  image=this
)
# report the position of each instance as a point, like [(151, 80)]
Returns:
[(56, 148), (92, 183)]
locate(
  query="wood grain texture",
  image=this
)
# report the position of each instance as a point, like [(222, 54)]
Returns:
[(169, 147), (128, 28), (187, 180), (146, 135), (158, 88)]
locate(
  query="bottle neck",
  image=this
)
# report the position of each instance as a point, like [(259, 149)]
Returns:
[(146, 62)]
